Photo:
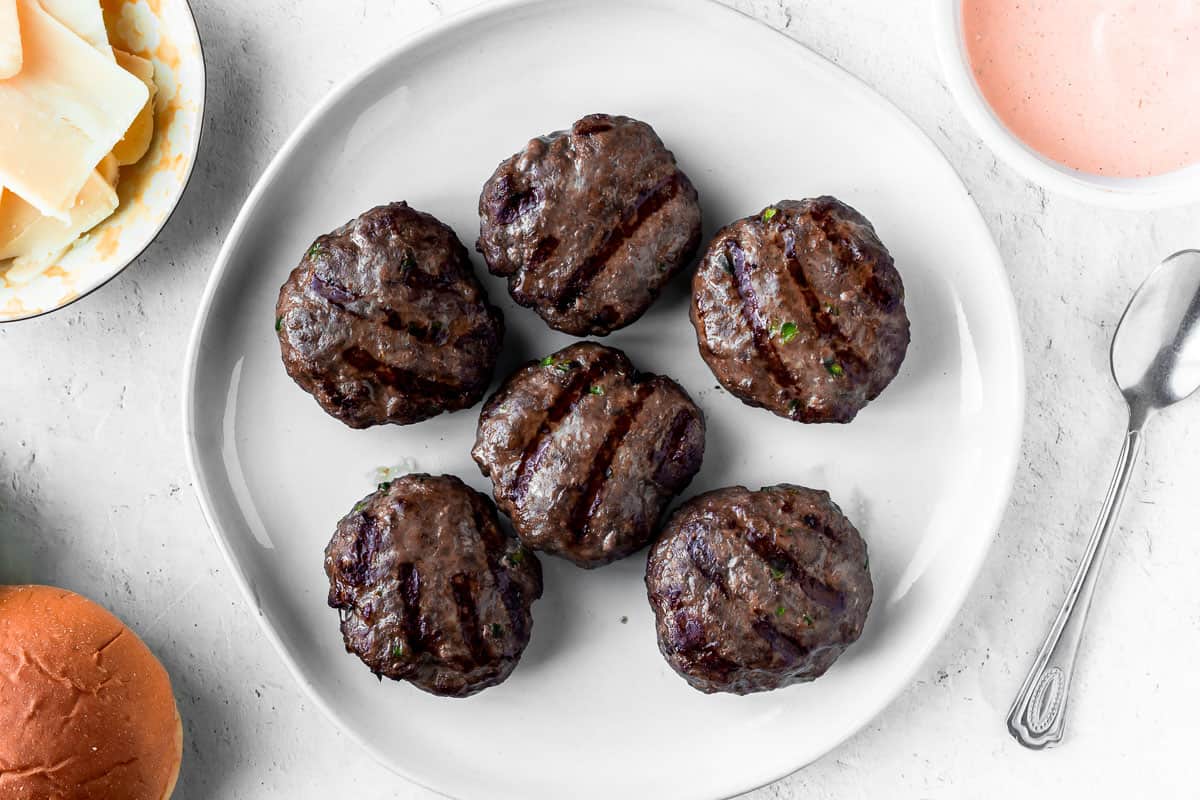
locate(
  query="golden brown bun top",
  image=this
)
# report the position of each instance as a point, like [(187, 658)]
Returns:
[(86, 710)]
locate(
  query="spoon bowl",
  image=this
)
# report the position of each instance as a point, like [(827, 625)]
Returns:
[(1156, 349)]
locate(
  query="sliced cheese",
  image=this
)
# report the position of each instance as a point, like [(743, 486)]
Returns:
[(109, 169), (45, 239), (63, 112), (143, 68), (15, 218), (10, 39), (136, 141), (84, 18)]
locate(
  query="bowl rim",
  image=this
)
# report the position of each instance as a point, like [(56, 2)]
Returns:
[(193, 153), (1174, 188)]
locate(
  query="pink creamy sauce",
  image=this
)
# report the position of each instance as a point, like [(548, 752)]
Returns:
[(1110, 87)]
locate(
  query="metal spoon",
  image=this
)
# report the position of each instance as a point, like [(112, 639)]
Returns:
[(1156, 363)]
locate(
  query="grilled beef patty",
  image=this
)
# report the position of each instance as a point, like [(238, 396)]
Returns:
[(585, 452), (589, 224), (429, 588), (757, 590), (800, 310), (385, 321)]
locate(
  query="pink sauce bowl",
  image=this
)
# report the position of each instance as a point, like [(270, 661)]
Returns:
[(1038, 80)]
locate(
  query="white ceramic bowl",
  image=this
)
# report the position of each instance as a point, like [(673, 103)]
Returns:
[(1174, 188), (163, 31)]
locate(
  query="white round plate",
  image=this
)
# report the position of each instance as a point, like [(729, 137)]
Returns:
[(593, 711)]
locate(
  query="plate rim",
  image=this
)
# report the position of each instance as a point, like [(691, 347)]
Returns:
[(1005, 308), (194, 155)]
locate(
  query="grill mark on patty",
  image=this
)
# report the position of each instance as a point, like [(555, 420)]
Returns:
[(686, 636), (404, 380), (648, 203), (848, 251), (780, 642), (752, 314), (830, 331), (462, 587), (675, 438), (821, 528), (545, 248), (884, 297), (508, 590), (338, 296), (509, 596), (536, 448), (588, 502), (494, 545), (778, 558), (591, 125), (493, 538), (705, 561), (508, 204), (409, 580), (332, 292), (415, 278), (432, 333), (367, 541)]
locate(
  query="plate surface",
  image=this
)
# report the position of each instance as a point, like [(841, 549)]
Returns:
[(593, 711), (164, 32)]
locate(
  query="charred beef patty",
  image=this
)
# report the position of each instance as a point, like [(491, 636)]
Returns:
[(589, 224), (800, 310), (429, 588), (585, 452), (757, 590), (385, 321)]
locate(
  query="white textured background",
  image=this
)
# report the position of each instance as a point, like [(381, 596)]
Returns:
[(94, 493)]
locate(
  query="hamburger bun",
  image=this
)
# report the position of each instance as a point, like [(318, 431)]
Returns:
[(86, 710)]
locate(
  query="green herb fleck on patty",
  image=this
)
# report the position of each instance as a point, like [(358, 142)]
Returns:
[(807, 619), (278, 324), (316, 250), (769, 214), (787, 332), (547, 361), (776, 573), (596, 389), (515, 557), (779, 612), (383, 487), (832, 309), (398, 650), (835, 369), (566, 366)]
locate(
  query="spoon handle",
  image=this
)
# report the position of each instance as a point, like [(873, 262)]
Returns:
[(1039, 711)]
